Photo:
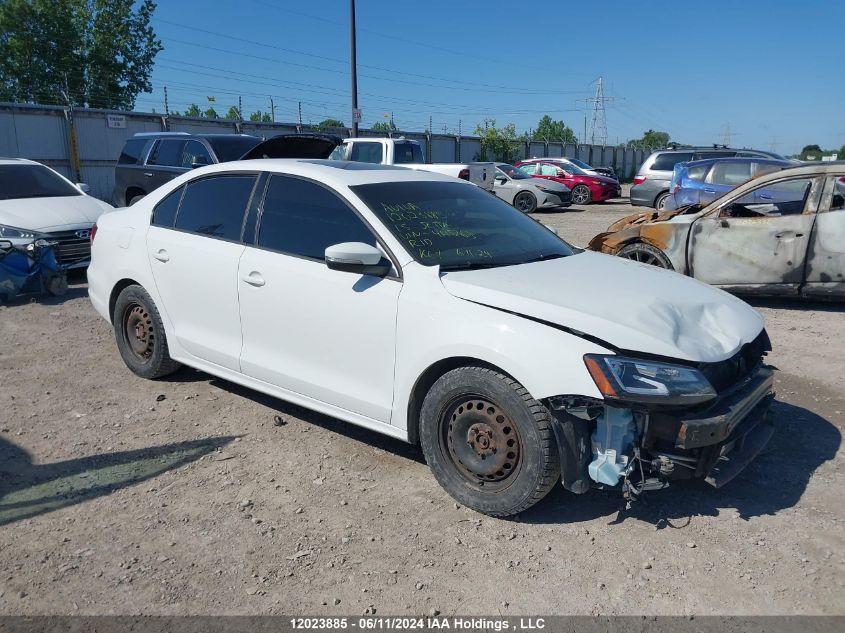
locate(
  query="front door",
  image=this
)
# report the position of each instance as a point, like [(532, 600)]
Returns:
[(747, 245), (324, 334), (194, 260), (826, 255)]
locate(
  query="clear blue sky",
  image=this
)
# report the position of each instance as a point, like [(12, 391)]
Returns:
[(766, 68)]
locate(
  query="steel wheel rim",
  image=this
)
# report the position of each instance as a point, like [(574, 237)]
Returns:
[(482, 442), (661, 204), (138, 331), (523, 202), (643, 258), (580, 195)]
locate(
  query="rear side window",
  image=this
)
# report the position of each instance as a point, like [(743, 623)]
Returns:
[(164, 212), (732, 173), (167, 153), (366, 153), (303, 218), (215, 206), (132, 151), (667, 161), (407, 153)]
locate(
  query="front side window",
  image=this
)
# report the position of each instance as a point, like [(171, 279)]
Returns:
[(194, 153), (459, 226), (787, 197), (33, 181), (215, 206), (366, 153), (529, 168), (548, 170), (167, 153), (164, 212), (303, 218)]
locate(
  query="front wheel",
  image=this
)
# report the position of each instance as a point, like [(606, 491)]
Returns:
[(489, 444), (645, 254), (140, 334), (525, 202), (581, 194)]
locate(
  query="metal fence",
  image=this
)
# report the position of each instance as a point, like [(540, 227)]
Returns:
[(84, 144)]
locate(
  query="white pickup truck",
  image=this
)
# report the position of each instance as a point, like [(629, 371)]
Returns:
[(407, 153)]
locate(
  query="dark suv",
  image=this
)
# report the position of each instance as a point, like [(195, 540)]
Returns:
[(651, 184), (151, 159)]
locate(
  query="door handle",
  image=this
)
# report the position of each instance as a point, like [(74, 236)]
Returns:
[(254, 279), (788, 235), (148, 174), (709, 191), (764, 196), (161, 255)]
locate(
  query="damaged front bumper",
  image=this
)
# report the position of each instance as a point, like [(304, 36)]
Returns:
[(635, 449)]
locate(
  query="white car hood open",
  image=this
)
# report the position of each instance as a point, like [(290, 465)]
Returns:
[(44, 214), (629, 305)]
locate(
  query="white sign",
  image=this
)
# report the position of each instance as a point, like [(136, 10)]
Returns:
[(356, 115), (116, 121)]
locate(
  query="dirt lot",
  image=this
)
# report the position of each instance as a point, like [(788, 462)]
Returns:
[(123, 496)]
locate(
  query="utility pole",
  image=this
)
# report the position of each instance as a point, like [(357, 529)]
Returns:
[(240, 109), (300, 114), (354, 68), (166, 108), (272, 110)]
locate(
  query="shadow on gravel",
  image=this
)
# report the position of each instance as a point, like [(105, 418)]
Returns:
[(28, 490), (558, 210), (794, 303), (774, 481)]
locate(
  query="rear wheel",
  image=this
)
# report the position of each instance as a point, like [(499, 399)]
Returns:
[(140, 334), (488, 442), (525, 202), (645, 254), (581, 194), (660, 201)]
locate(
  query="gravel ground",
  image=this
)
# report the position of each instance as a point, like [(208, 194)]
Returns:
[(187, 496)]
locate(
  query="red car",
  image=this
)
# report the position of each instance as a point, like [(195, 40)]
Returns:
[(585, 188)]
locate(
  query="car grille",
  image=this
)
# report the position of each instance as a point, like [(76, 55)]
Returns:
[(72, 248), (727, 373)]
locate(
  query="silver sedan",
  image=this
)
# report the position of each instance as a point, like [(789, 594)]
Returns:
[(526, 193)]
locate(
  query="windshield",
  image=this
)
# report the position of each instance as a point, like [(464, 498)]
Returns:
[(513, 172), (459, 226), (232, 147), (579, 163), (33, 181)]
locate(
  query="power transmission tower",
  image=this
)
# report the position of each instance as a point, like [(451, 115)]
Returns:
[(727, 134), (598, 123)]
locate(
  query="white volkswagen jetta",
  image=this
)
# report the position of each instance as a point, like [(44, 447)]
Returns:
[(424, 308)]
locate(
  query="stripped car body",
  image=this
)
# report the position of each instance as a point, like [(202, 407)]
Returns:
[(782, 233)]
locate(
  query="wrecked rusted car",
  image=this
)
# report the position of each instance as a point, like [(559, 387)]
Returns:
[(780, 234)]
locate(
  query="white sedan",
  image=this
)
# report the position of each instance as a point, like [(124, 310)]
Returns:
[(37, 202), (421, 307)]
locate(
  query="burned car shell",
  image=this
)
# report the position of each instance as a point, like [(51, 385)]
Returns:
[(800, 253)]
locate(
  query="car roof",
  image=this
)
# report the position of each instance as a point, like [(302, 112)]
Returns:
[(738, 159), (186, 135), (17, 161)]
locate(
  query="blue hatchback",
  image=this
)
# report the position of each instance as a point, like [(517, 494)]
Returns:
[(702, 181)]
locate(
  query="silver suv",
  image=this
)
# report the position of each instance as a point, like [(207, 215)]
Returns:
[(651, 184)]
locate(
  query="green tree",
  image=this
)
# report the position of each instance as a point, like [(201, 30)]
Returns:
[(193, 111), (811, 152), (500, 144), (651, 139), (551, 130), (233, 114), (260, 117), (98, 53), (840, 155), (386, 126), (211, 113), (325, 123)]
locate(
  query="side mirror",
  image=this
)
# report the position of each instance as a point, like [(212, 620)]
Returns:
[(199, 161), (358, 258), (5, 245), (501, 180), (83, 187)]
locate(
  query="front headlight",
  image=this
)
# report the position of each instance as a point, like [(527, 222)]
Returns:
[(9, 232), (645, 381)]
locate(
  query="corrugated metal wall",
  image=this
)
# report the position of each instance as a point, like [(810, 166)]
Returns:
[(42, 133)]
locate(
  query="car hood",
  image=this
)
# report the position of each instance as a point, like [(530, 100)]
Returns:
[(41, 214), (630, 306), (295, 146), (604, 179), (651, 217)]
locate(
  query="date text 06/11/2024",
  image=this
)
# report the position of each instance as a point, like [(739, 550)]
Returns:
[(418, 623)]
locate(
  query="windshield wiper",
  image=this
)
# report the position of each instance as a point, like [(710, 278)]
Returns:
[(541, 258), (472, 266)]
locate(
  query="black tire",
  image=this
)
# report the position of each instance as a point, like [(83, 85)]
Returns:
[(525, 201), (645, 254), (660, 201), (135, 199), (140, 336), (474, 413), (581, 194)]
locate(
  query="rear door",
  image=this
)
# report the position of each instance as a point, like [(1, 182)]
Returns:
[(723, 177), (825, 270), (164, 162), (747, 246), (194, 251)]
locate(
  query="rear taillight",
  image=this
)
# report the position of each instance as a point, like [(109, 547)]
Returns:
[(677, 188), (638, 180), (93, 233), (464, 174)]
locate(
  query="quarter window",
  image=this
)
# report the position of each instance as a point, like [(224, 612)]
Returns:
[(164, 212), (303, 218), (215, 206)]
